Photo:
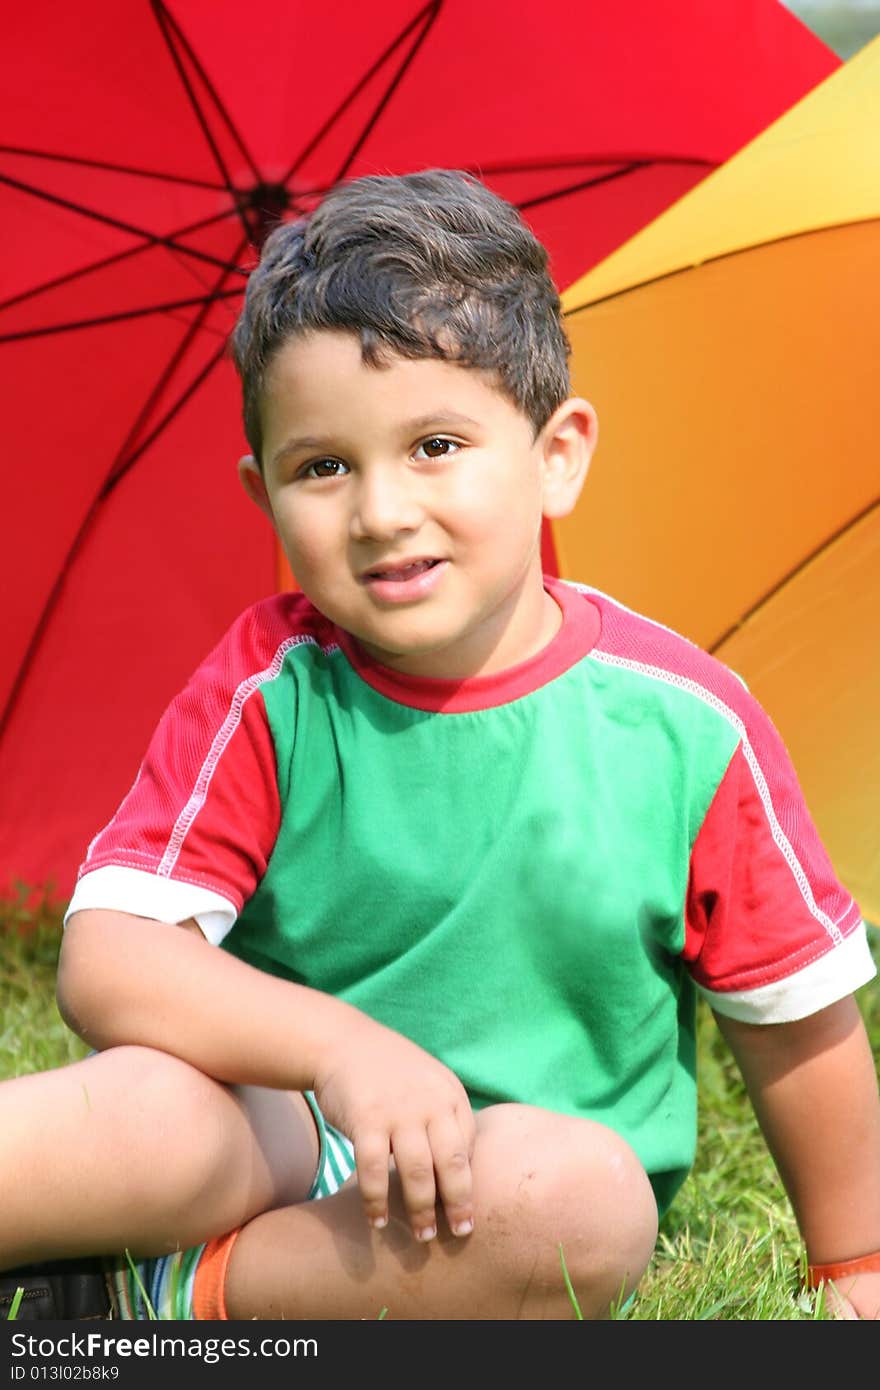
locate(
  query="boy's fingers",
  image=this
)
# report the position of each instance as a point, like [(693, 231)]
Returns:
[(414, 1162), (452, 1165), (468, 1124), (371, 1156)]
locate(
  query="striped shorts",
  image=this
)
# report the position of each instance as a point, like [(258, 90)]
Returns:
[(335, 1157)]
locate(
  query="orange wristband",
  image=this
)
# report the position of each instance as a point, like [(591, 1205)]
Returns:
[(824, 1274)]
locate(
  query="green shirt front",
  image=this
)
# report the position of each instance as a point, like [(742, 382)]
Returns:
[(504, 885)]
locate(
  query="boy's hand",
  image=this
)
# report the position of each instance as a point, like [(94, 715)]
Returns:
[(397, 1102)]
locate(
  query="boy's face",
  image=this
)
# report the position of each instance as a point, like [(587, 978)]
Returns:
[(409, 498)]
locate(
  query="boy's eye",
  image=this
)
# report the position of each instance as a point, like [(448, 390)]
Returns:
[(436, 447), (324, 468)]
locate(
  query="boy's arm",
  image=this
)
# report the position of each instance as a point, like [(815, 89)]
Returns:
[(814, 1089), (128, 980)]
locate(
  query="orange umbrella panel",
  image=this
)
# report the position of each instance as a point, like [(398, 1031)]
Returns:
[(734, 431)]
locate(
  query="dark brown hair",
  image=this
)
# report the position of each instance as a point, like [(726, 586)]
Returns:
[(430, 264)]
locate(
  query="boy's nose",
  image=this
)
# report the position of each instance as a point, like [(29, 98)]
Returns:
[(385, 504)]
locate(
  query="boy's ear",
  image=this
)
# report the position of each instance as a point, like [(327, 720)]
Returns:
[(254, 484), (568, 440)]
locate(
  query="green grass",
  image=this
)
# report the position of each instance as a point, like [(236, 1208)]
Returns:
[(33, 1036), (728, 1249)]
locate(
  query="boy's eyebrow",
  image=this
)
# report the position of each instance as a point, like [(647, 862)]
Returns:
[(435, 418), (303, 441), (438, 417)]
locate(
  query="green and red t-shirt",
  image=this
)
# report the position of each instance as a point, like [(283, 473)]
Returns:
[(530, 873)]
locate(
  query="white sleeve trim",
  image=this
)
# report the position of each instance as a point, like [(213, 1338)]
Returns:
[(144, 894), (840, 971)]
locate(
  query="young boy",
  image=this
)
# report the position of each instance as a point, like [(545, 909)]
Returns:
[(409, 904)]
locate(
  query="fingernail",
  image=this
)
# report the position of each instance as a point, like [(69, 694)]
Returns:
[(379, 1223), (428, 1233), (462, 1228)]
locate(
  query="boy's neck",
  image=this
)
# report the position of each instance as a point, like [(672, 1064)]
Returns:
[(578, 629)]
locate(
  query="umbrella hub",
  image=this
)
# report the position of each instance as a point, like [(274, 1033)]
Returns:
[(262, 207)]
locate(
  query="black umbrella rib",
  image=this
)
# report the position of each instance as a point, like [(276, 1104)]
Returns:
[(125, 456), (105, 166), (94, 266), (131, 459), (427, 16), (615, 157), (480, 170), (431, 11), (151, 238), (166, 24), (121, 465), (593, 182), (596, 179), (793, 573), (85, 526), (100, 320), (55, 592)]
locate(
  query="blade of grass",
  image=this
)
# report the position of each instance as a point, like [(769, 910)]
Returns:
[(571, 1293), (151, 1312)]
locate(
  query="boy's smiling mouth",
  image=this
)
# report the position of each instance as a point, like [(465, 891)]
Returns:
[(403, 579), (403, 569)]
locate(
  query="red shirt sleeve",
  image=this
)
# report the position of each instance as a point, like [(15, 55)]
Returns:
[(204, 809), (763, 899)]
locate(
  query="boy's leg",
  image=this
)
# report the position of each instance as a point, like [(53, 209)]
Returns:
[(134, 1149), (541, 1181)]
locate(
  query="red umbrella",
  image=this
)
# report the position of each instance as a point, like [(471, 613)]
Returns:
[(145, 149)]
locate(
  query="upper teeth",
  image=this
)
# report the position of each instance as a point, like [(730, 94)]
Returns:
[(416, 567)]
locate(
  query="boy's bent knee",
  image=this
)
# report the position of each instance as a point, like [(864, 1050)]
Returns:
[(220, 1153), (576, 1191), (146, 1082), (166, 1120)]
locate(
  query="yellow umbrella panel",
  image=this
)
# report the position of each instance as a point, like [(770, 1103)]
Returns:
[(731, 350)]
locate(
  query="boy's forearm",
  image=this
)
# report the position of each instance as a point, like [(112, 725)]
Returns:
[(814, 1088), (125, 979)]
